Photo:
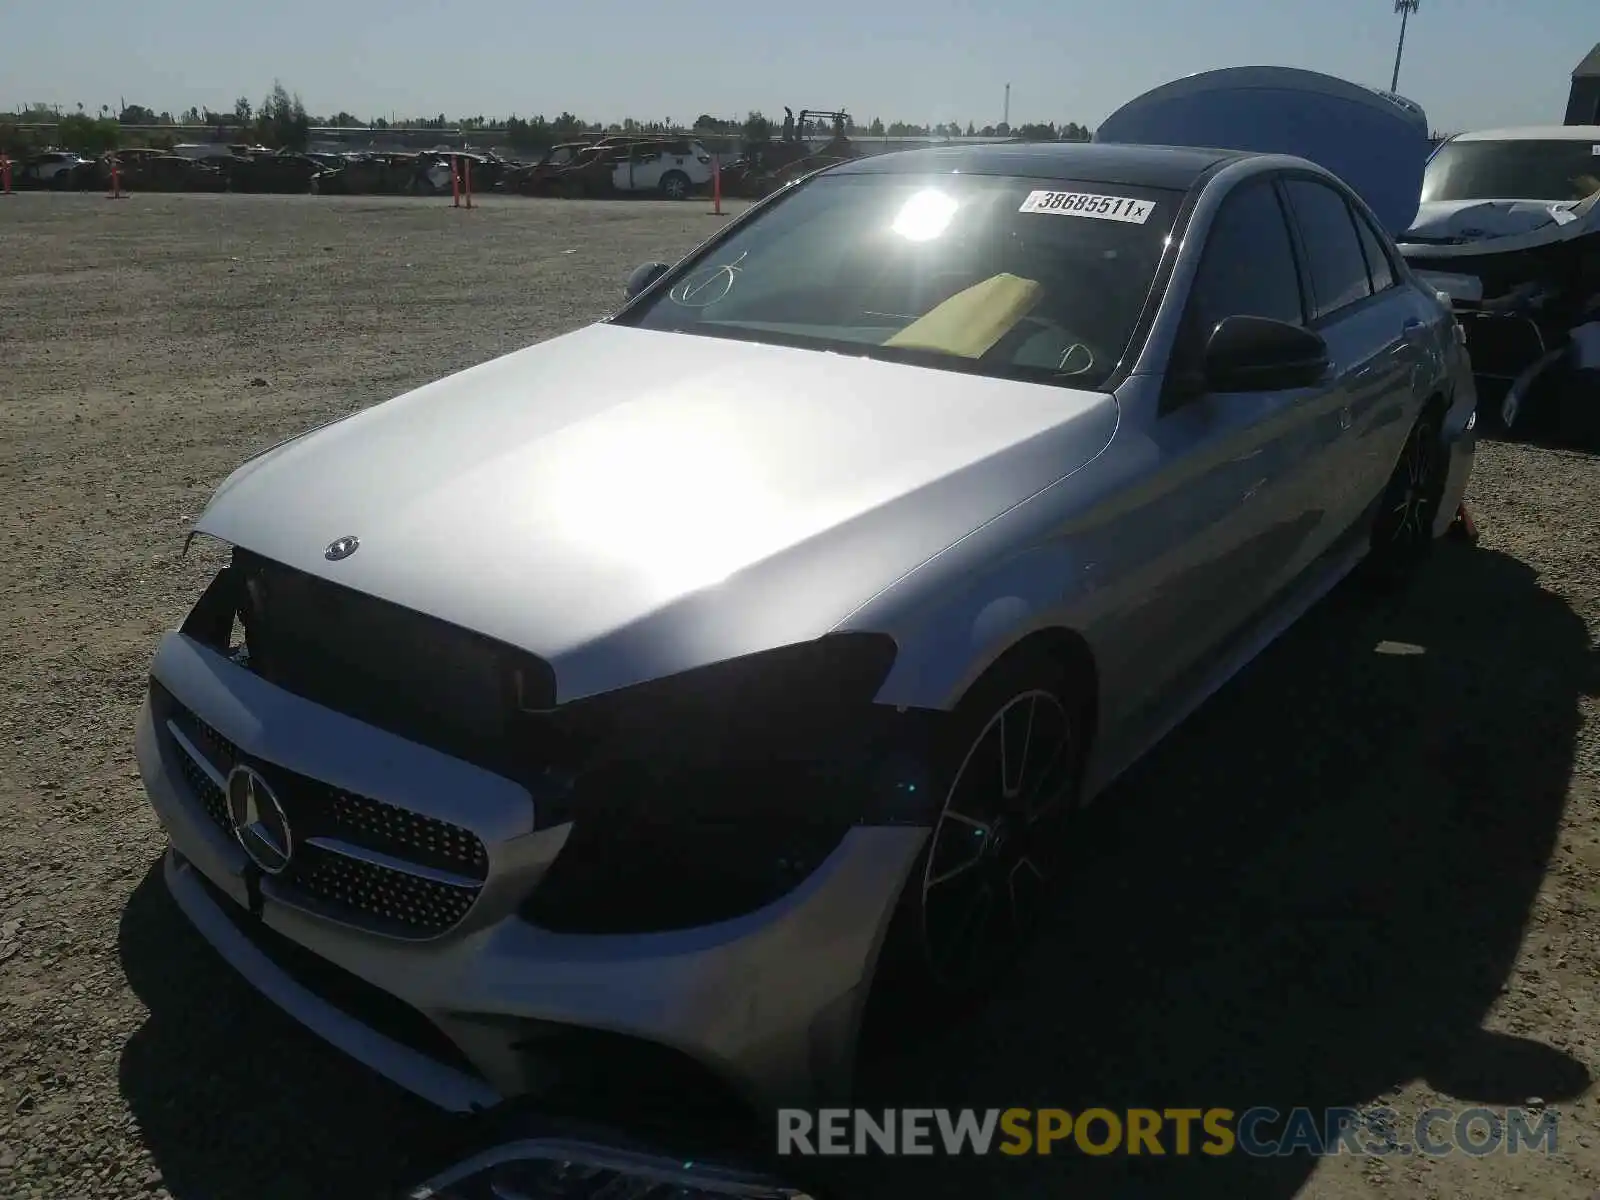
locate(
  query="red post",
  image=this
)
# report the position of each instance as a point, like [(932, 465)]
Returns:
[(716, 185), (116, 179), (5, 175), (455, 182), (466, 177)]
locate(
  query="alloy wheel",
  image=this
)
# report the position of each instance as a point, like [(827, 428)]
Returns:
[(999, 840), (1413, 501)]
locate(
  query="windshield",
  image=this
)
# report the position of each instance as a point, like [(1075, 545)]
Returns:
[(1513, 170), (1017, 278)]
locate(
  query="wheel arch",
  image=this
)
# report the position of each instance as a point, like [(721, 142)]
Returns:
[(1064, 646)]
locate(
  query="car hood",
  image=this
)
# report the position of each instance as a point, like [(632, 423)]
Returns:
[(627, 503), (1375, 141), (1447, 227)]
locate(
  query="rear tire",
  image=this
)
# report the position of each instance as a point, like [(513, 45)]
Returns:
[(1402, 530), (997, 853)]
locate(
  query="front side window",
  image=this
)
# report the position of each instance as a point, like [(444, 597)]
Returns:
[(1556, 169), (1017, 278), (1333, 248), (1248, 266)]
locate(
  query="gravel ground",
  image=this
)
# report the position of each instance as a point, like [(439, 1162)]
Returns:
[(1367, 872)]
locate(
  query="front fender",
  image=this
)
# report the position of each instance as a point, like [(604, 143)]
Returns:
[(1022, 572)]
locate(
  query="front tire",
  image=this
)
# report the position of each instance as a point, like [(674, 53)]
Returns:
[(996, 855), (675, 185)]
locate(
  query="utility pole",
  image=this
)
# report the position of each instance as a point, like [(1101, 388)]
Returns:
[(1005, 117), (1405, 8)]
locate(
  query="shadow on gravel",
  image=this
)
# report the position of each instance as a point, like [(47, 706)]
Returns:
[(236, 1100), (1310, 894)]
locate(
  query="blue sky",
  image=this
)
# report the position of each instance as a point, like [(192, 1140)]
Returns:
[(1471, 63)]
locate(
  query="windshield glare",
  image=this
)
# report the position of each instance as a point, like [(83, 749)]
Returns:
[(1017, 278), (1558, 170)]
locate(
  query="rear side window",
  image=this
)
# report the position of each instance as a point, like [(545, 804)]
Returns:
[(1379, 266), (1248, 267), (1333, 248)]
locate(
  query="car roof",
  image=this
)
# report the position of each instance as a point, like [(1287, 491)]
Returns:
[(1171, 167), (1534, 133)]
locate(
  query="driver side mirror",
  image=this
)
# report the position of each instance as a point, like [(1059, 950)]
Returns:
[(642, 277), (1258, 354)]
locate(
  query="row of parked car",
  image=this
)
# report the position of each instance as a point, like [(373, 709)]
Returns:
[(668, 167)]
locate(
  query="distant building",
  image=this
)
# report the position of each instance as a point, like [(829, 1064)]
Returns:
[(1584, 106)]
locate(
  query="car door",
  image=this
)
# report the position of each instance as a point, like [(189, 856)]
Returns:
[(622, 173), (1229, 501), (649, 168), (1370, 335), (1414, 359)]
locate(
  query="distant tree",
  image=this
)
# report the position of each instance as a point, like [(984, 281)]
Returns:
[(87, 135), (344, 120), (971, 132), (242, 111), (757, 129), (282, 122), (1037, 132), (191, 116), (137, 114), (1002, 130), (876, 128), (15, 141)]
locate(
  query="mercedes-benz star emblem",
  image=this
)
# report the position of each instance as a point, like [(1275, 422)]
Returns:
[(342, 548), (258, 820)]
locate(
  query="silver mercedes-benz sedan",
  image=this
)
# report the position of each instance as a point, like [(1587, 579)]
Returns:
[(683, 678)]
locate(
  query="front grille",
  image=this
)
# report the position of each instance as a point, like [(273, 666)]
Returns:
[(395, 896), (354, 858), (350, 994)]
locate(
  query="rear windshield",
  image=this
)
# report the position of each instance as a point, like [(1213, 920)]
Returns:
[(1554, 169), (1017, 278)]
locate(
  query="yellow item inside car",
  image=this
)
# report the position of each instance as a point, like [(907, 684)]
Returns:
[(969, 323)]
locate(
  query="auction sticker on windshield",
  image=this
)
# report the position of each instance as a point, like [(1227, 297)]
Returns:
[(1082, 204)]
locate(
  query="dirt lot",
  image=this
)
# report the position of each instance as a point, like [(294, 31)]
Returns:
[(1368, 872)]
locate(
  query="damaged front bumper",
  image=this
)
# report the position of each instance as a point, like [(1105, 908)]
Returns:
[(543, 1159), (1524, 281)]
